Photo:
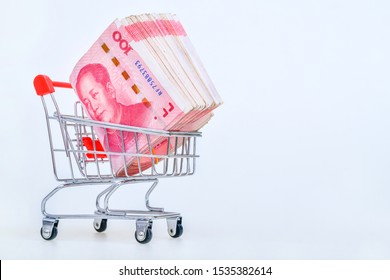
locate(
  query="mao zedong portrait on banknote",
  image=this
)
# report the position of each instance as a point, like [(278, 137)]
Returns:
[(98, 95)]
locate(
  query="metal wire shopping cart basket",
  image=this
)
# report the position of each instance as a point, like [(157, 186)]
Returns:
[(87, 163)]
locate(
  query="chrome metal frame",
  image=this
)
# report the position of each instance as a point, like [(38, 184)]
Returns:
[(75, 166)]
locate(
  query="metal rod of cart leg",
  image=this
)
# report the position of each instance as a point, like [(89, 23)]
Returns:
[(109, 194), (158, 209), (47, 197), (99, 196), (60, 187)]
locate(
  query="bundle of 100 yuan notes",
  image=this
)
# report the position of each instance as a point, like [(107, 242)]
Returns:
[(143, 71)]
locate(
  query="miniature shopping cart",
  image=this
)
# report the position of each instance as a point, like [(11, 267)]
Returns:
[(77, 151)]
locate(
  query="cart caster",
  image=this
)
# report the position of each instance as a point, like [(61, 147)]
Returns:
[(143, 233), (175, 228), (100, 225), (49, 229)]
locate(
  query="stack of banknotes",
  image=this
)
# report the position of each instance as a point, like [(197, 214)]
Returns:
[(143, 71)]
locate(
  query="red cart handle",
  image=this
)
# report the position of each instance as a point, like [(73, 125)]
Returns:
[(44, 85)]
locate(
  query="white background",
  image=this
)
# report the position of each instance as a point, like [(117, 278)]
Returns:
[(294, 165)]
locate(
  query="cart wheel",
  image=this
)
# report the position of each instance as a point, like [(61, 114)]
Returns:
[(175, 227), (49, 234), (179, 231), (100, 225), (144, 237)]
